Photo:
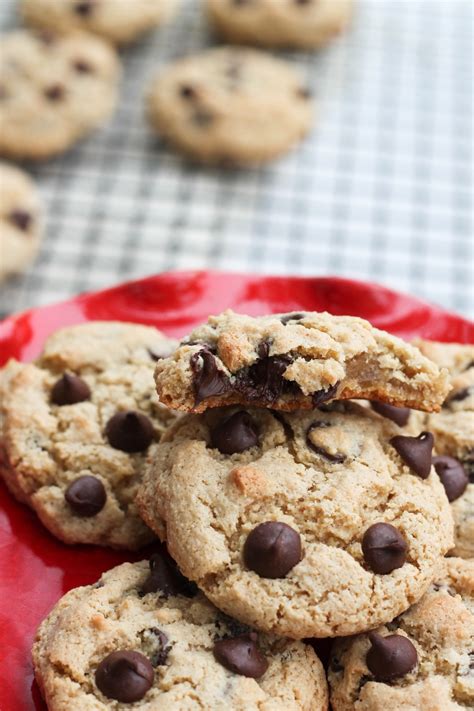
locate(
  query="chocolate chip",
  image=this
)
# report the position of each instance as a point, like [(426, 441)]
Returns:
[(55, 92), (263, 349), (165, 577), (453, 476), (272, 549), (415, 452), (293, 316), (82, 67), (304, 93), (83, 8), (336, 458), (384, 548), (241, 655), (458, 396), (86, 496), (163, 647), (321, 396), (129, 431), (264, 380), (469, 365), (69, 390), (208, 380), (125, 676), (390, 657), (236, 434), (188, 92), (399, 415), (21, 219)]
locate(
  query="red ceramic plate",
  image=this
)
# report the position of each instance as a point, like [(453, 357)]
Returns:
[(35, 569)]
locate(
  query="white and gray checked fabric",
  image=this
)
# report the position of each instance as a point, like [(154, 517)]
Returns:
[(382, 190)]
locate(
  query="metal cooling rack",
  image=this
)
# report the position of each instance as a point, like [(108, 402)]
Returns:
[(382, 190)]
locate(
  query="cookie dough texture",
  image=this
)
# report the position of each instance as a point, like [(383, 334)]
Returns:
[(91, 622), (230, 106), (280, 23), (119, 21), (53, 91), (441, 626), (453, 429), (20, 220), (330, 356), (206, 504), (44, 447)]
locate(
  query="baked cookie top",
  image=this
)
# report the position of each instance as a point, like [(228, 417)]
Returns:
[(309, 524), (453, 429), (119, 21), (422, 660), (53, 91), (280, 23), (76, 426), (20, 220), (145, 638), (230, 106), (295, 361)]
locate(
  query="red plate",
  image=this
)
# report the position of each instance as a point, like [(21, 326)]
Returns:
[(35, 568)]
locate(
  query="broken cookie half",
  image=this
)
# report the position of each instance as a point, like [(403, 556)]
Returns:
[(296, 361)]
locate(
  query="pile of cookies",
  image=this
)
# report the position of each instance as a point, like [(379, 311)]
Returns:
[(228, 106), (306, 475)]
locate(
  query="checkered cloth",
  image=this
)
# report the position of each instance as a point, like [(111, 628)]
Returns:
[(382, 190)]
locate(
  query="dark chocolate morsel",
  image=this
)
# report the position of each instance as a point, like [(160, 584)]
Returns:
[(21, 219), (208, 381), (86, 496), (399, 415), (129, 431), (69, 390), (336, 458), (415, 452), (236, 434), (125, 676), (321, 396), (165, 577), (160, 655), (264, 381), (390, 657), (384, 548), (82, 66), (55, 92), (241, 655), (459, 395), (453, 476), (272, 549), (293, 316), (187, 91), (84, 8)]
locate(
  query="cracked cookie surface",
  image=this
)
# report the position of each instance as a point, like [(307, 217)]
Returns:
[(91, 386), (280, 23), (53, 91), (119, 21), (230, 106), (177, 636), (441, 628), (356, 534), (296, 361), (453, 430), (20, 220)]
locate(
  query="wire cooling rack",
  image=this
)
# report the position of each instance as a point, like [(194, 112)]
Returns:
[(382, 190)]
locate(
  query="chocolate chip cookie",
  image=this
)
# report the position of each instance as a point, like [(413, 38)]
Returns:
[(230, 106), (53, 91), (144, 637), (299, 24), (422, 660), (119, 21), (296, 361), (453, 429), (309, 524), (76, 427), (20, 220)]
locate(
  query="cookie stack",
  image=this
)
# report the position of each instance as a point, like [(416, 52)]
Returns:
[(287, 514)]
